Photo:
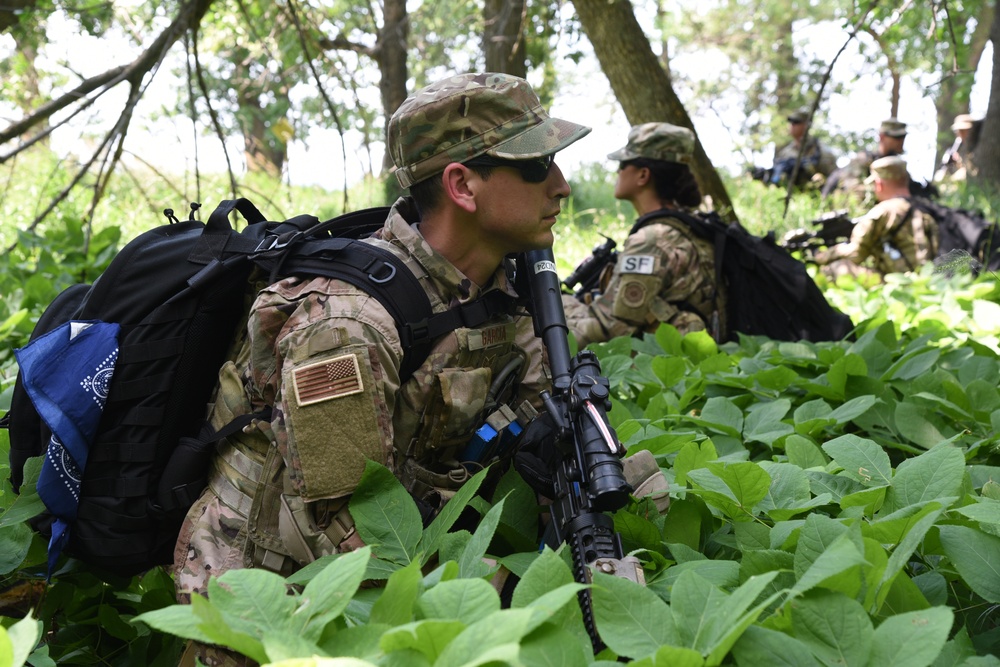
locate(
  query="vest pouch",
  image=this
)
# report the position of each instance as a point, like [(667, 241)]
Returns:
[(454, 411)]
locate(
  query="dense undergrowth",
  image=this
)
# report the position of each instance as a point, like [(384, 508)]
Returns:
[(833, 503)]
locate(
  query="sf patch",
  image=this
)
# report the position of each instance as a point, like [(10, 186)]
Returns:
[(326, 380), (642, 264)]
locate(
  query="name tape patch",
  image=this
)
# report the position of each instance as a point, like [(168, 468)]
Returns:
[(326, 380), (643, 264)]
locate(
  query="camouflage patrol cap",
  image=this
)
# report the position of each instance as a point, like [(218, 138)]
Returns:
[(800, 115), (657, 141), (963, 121), (891, 168), (464, 116), (891, 127)]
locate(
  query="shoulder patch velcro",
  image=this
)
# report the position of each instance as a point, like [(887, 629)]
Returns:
[(326, 380)]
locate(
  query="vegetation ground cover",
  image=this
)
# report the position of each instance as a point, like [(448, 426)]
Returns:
[(832, 504)]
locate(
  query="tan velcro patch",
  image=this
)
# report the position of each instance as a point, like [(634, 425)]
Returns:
[(633, 294), (327, 380)]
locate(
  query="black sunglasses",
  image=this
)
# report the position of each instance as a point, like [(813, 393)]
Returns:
[(535, 170)]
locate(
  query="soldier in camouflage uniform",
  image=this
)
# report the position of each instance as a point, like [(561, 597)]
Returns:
[(816, 158), (476, 152), (892, 237), (664, 272), (849, 185)]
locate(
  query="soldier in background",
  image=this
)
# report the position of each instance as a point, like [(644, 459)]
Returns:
[(817, 161), (664, 273), (956, 163), (892, 237)]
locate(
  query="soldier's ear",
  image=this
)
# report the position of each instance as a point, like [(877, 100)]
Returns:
[(458, 187)]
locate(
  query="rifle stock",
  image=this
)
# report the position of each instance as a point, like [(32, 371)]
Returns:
[(590, 479)]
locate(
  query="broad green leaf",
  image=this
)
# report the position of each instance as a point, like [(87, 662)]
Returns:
[(495, 636), (913, 424), (721, 573), (763, 421), (986, 510), (812, 416), (913, 639), (861, 459), (227, 631), (748, 482), (909, 543), (386, 517), (631, 619), (840, 555), (519, 521), (284, 645), (395, 605), (446, 518), (546, 572), (834, 627), (429, 637), (466, 600), (752, 536), (328, 594), (936, 473), (722, 617), (179, 620), (21, 639), (552, 646), (674, 656), (838, 486), (471, 562), (255, 596), (669, 370), (15, 539), (974, 554), (789, 492), (803, 452), (849, 364), (870, 499), (721, 413), (912, 366), (692, 456), (25, 506), (759, 646), (853, 408)]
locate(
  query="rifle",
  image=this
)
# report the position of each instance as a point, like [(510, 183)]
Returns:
[(589, 479), (833, 227), (588, 273), (783, 169)]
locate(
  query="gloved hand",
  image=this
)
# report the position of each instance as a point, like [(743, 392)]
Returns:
[(645, 476), (537, 454)]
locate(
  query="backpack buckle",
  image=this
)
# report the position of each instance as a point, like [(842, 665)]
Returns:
[(381, 280), (276, 242)]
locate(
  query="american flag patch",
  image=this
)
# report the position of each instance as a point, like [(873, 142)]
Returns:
[(327, 380)]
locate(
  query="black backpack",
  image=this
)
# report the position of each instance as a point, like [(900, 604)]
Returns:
[(179, 293), (963, 231), (769, 292)]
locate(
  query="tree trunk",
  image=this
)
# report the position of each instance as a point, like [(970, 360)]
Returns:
[(640, 83), (503, 37), (987, 155), (953, 94), (390, 54), (787, 71)]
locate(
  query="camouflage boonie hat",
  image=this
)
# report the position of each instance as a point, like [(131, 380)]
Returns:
[(892, 128), (891, 168), (657, 141), (800, 115), (963, 121), (464, 116)]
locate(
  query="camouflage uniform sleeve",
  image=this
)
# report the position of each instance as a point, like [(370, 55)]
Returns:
[(864, 242), (327, 356), (649, 260)]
